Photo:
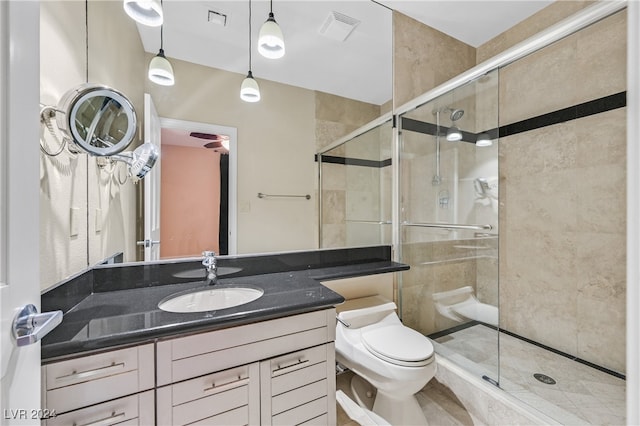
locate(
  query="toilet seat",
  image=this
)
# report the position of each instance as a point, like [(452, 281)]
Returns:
[(398, 345)]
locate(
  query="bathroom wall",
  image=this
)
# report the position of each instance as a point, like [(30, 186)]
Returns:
[(529, 27), (424, 58), (80, 202), (562, 211)]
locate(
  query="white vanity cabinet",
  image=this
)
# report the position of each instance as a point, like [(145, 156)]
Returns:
[(279, 371), (274, 372), (114, 387)]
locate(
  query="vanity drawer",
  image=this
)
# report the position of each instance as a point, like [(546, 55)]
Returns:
[(79, 382), (131, 410), (296, 369), (191, 356), (227, 397)]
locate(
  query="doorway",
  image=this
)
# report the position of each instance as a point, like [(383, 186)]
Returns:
[(198, 189)]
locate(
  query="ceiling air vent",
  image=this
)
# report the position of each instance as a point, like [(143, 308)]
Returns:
[(338, 26)]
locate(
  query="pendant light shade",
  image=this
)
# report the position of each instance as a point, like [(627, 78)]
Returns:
[(484, 140), (270, 39), (249, 91), (146, 12), (160, 70)]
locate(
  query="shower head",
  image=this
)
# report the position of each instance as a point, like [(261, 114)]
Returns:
[(456, 114)]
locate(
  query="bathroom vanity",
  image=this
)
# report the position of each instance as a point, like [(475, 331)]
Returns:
[(117, 358)]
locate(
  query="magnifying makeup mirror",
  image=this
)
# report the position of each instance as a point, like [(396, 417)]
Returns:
[(102, 121), (97, 118)]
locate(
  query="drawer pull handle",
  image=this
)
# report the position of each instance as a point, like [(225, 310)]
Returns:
[(288, 368), (91, 373), (112, 419), (227, 386)]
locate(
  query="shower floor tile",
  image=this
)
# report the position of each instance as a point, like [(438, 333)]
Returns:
[(581, 394)]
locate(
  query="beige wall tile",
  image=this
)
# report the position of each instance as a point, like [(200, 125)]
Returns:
[(529, 27), (601, 58), (542, 82), (424, 58)]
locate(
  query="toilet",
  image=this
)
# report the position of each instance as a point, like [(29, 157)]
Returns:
[(396, 360)]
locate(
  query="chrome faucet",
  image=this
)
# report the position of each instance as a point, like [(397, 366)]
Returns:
[(209, 262)]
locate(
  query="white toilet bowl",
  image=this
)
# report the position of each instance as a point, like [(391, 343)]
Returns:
[(398, 361)]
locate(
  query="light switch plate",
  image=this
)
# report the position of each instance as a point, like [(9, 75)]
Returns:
[(74, 222), (98, 220)]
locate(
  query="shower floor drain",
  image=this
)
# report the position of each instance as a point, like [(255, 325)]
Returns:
[(544, 379)]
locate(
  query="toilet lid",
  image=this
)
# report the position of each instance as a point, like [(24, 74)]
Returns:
[(399, 345)]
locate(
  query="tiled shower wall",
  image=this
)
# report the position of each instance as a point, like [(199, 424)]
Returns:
[(562, 209)]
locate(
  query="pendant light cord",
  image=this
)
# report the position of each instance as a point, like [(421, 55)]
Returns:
[(249, 35), (86, 40), (161, 26)]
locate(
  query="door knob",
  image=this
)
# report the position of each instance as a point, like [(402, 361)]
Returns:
[(29, 326), (147, 243)]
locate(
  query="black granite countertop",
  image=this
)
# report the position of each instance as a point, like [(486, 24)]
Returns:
[(129, 314)]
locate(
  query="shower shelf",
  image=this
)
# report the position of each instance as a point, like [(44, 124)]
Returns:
[(450, 226)]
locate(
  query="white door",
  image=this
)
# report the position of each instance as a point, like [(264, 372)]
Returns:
[(152, 134), (19, 206)]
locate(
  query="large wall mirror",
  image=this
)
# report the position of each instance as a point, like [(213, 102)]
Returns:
[(334, 78)]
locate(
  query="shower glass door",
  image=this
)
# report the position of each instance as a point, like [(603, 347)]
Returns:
[(355, 189), (449, 223)]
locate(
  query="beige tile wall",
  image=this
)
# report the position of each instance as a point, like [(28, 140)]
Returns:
[(546, 17), (562, 209), (424, 58)]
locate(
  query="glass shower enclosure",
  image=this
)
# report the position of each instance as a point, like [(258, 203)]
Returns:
[(449, 223), (355, 188)]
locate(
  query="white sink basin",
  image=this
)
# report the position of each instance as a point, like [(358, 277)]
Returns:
[(210, 299)]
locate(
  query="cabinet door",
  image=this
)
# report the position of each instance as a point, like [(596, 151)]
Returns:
[(80, 382), (131, 410), (299, 387), (229, 397)]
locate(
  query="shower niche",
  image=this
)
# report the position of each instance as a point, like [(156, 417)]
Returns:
[(448, 193)]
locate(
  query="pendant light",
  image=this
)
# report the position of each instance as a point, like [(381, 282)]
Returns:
[(146, 12), (270, 39), (483, 140), (249, 91), (160, 69), (454, 134)]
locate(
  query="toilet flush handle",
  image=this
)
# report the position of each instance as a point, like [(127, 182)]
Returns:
[(343, 322)]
